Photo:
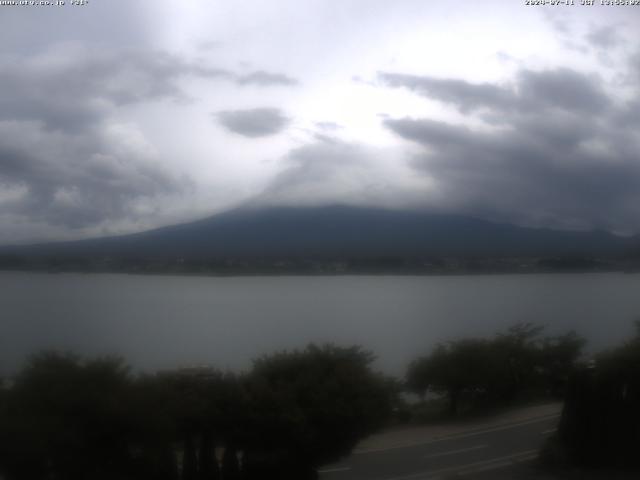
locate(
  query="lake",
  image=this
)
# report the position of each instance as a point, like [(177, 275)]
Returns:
[(158, 322)]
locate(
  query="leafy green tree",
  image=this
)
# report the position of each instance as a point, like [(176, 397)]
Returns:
[(190, 412), (509, 366), (311, 407), (4, 420), (516, 355), (66, 419), (74, 419), (558, 358), (600, 424), (456, 369)]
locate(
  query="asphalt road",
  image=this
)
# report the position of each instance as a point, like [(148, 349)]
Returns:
[(463, 454)]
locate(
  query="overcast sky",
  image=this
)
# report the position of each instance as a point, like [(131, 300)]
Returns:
[(124, 115)]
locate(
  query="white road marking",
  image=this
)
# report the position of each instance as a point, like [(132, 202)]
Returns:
[(453, 452), (547, 432), (334, 470), (484, 465), (457, 436)]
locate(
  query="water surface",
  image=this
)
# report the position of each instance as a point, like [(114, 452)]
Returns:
[(158, 322)]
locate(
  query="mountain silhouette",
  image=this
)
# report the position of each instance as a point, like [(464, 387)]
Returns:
[(336, 232)]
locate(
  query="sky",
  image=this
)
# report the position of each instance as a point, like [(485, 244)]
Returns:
[(119, 116)]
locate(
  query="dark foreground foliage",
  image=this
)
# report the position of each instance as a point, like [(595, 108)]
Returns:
[(517, 365), (68, 418), (600, 425)]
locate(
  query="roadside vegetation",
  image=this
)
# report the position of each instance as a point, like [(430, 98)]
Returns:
[(600, 424), (65, 417), (474, 374), (68, 418)]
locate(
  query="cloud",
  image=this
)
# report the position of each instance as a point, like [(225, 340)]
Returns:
[(69, 166), (558, 22), (505, 58), (629, 114), (71, 88), (66, 165), (604, 37), (333, 171), (553, 154), (320, 169), (265, 79), (79, 181), (328, 126), (570, 179), (631, 77), (253, 123), (68, 88), (563, 27), (562, 88), (559, 88), (466, 96)]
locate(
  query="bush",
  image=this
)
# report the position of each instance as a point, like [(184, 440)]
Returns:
[(317, 403), (514, 365), (65, 417), (600, 424)]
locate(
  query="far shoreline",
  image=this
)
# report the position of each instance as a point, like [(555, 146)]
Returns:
[(294, 273)]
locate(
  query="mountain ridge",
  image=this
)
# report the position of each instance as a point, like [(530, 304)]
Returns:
[(336, 231)]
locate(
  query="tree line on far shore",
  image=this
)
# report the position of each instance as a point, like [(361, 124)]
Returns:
[(65, 417)]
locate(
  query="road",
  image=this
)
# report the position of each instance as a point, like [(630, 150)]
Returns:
[(457, 452)]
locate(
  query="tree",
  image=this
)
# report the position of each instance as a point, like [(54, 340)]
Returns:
[(66, 418), (69, 418), (310, 407), (600, 424), (559, 356), (454, 369), (4, 420), (496, 371), (189, 412)]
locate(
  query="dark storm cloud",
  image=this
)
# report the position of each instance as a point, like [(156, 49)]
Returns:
[(629, 114), (70, 91), (265, 79), (631, 77), (527, 175), (117, 23), (255, 122), (464, 95), (75, 181), (556, 154), (62, 161), (560, 88), (74, 167), (53, 142)]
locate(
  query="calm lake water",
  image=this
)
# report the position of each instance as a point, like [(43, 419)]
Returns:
[(160, 322)]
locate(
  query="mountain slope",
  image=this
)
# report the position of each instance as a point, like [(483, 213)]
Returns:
[(336, 232)]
